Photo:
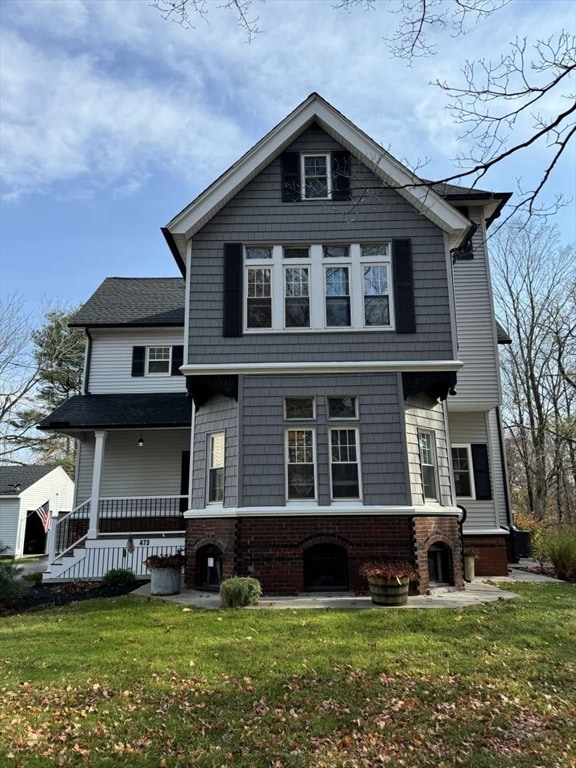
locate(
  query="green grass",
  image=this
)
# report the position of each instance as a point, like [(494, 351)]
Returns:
[(144, 683)]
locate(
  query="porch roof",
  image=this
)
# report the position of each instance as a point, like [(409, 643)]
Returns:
[(128, 410)]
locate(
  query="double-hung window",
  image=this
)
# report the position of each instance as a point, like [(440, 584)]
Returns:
[(300, 465), (344, 470), (259, 287), (216, 467), (376, 285), (297, 289), (344, 458), (316, 182), (428, 464), (158, 360), (463, 475)]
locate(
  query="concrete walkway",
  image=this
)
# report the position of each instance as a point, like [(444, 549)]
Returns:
[(476, 593)]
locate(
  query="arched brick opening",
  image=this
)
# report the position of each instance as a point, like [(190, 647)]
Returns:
[(440, 569), (325, 566), (209, 560)]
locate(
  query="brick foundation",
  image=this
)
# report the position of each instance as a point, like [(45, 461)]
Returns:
[(491, 554), (272, 548)]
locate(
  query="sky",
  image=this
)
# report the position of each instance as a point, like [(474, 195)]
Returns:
[(112, 119)]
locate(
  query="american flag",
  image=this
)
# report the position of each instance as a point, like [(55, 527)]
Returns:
[(44, 514)]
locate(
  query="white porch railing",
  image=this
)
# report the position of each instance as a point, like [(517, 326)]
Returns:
[(134, 515), (68, 531)]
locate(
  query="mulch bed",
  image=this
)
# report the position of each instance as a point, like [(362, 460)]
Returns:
[(46, 596)]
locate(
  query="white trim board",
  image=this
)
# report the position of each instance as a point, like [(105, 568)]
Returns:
[(311, 510), (346, 366)]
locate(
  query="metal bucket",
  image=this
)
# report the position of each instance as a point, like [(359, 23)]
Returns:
[(165, 581)]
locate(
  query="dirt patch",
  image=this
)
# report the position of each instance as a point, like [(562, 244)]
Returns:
[(46, 596)]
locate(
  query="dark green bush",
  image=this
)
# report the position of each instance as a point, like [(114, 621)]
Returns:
[(33, 579), (119, 577), (240, 591), (12, 588)]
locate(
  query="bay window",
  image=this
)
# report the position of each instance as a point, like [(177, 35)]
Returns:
[(318, 288)]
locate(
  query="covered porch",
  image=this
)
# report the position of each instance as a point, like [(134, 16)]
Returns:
[(132, 483)]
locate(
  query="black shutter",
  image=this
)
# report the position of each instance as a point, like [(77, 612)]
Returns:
[(403, 286), (177, 360), (341, 189), (232, 289), (290, 177), (138, 360), (184, 480), (481, 468)]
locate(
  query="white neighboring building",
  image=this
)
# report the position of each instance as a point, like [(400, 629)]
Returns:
[(22, 491)]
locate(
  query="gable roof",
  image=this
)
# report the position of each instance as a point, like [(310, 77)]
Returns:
[(313, 110), (14, 480), (134, 301)]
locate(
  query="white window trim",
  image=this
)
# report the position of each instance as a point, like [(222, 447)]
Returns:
[(328, 156), (468, 447), (209, 467), (147, 372), (307, 419), (432, 435), (346, 419), (295, 428), (346, 426), (317, 264)]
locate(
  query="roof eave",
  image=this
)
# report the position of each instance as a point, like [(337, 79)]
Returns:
[(426, 200)]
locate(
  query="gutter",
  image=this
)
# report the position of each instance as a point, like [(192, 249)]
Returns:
[(168, 236)]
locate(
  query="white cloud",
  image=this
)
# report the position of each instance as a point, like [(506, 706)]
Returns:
[(105, 93)]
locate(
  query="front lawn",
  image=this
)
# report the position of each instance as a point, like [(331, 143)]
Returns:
[(144, 683)]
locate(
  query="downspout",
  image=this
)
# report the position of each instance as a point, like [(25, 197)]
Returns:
[(87, 361), (507, 504)]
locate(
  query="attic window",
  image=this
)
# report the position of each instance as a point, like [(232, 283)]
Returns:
[(315, 177)]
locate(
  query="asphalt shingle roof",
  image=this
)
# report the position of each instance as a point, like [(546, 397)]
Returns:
[(134, 301), (130, 410), (10, 477), (502, 334)]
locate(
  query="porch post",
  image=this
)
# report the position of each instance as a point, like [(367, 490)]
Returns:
[(100, 440)]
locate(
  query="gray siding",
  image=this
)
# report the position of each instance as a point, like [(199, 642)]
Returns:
[(258, 215), (468, 428), (478, 381), (423, 413), (220, 414), (382, 456)]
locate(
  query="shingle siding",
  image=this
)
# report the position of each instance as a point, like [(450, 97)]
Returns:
[(381, 447), (219, 414), (423, 413), (258, 215)]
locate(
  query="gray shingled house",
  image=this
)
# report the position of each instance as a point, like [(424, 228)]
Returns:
[(320, 388)]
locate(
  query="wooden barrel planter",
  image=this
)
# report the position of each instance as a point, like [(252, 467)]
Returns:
[(391, 592)]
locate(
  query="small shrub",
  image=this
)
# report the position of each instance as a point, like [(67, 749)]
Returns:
[(119, 577), (240, 591), (12, 588), (560, 548), (32, 579)]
